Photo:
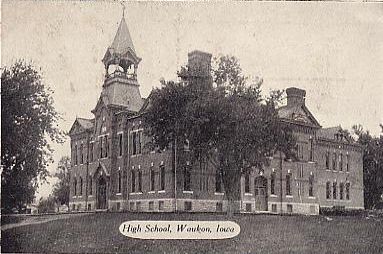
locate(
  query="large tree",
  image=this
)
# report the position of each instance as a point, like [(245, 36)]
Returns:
[(372, 166), (227, 122), (28, 123), (61, 188)]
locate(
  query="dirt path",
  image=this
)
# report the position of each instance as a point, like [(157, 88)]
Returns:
[(30, 220)]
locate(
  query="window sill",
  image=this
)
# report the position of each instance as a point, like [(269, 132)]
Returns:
[(151, 192), (135, 193), (248, 194), (311, 162), (161, 191), (219, 193), (118, 194), (311, 197), (273, 196), (187, 192), (90, 196), (289, 196)]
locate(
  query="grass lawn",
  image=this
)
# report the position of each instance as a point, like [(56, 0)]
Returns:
[(98, 233)]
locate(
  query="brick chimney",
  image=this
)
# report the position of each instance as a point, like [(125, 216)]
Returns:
[(199, 64), (295, 96)]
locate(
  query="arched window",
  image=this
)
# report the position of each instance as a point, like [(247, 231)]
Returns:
[(272, 183), (311, 185), (328, 190), (288, 184), (327, 160)]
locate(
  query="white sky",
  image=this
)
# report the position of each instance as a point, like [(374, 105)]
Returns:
[(333, 50)]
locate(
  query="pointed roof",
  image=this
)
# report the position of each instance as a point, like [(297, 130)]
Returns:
[(122, 41), (121, 51)]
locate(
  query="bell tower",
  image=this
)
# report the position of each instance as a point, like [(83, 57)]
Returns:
[(121, 63)]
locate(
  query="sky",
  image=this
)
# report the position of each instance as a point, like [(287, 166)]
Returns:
[(333, 50)]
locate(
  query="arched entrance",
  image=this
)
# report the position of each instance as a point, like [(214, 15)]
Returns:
[(260, 184), (101, 193)]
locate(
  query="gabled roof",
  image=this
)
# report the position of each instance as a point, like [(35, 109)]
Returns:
[(81, 125), (298, 114), (332, 133)]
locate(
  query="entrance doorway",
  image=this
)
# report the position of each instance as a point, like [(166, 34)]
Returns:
[(101, 193), (260, 193)]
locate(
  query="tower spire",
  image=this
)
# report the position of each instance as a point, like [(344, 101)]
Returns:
[(121, 52), (123, 9)]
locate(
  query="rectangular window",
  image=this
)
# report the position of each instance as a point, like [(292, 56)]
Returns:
[(289, 208), (162, 178), (118, 206), (348, 191), (81, 154), (160, 205), (119, 181), (139, 142), (75, 155), (334, 162), (247, 183), (341, 162), (348, 163), (327, 160), (218, 207), (311, 186), (106, 146), (138, 206), (152, 179), (91, 152), (101, 147), (288, 184), (140, 181), (272, 183), (274, 208), (328, 190), (90, 186), (133, 181), (131, 206), (120, 144), (248, 207), (218, 182), (341, 187), (188, 205), (134, 143), (187, 178), (89, 207), (151, 205), (334, 191), (81, 186), (311, 149)]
